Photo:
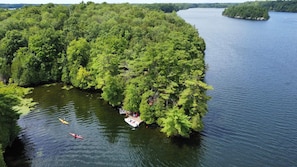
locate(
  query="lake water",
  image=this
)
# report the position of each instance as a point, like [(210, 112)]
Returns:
[(252, 118)]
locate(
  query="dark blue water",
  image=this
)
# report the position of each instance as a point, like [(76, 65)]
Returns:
[(252, 119)]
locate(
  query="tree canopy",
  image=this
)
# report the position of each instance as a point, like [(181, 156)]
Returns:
[(12, 104), (144, 60)]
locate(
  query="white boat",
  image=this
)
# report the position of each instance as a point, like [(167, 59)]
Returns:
[(133, 121)]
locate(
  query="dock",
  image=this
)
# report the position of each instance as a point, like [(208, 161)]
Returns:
[(122, 111), (133, 119)]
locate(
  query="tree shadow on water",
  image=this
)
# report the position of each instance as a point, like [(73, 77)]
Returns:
[(153, 148), (15, 154), (193, 141)]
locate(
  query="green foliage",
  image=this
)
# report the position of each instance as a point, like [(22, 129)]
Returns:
[(176, 123), (113, 90), (196, 123), (77, 59), (21, 72), (146, 60), (2, 163), (132, 98), (11, 97), (147, 111), (12, 41), (193, 97), (22, 105), (250, 11), (8, 118)]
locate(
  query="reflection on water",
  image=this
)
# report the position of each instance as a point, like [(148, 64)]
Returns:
[(15, 155), (108, 140)]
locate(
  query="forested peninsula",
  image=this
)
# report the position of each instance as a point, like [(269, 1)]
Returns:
[(248, 11), (144, 60)]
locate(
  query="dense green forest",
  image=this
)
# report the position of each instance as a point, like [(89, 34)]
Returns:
[(144, 60), (170, 7), (249, 11), (12, 103), (166, 7), (279, 5)]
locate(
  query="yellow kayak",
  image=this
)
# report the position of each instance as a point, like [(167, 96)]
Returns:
[(63, 121)]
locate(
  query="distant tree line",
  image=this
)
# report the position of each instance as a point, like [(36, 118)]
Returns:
[(280, 5), (170, 7), (165, 7), (144, 60)]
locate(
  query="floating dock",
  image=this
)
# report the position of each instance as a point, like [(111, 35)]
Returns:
[(122, 111)]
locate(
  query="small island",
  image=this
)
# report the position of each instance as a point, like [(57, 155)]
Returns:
[(247, 11)]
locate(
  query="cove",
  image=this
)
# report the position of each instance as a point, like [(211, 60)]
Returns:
[(108, 139)]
